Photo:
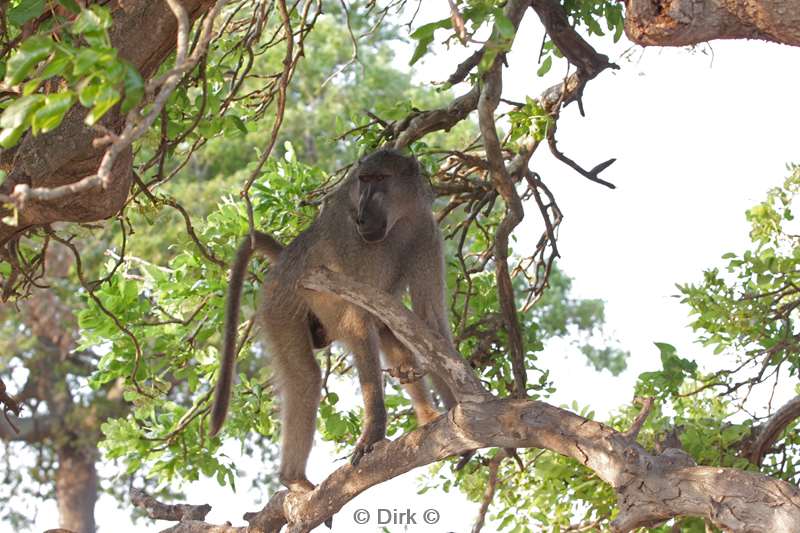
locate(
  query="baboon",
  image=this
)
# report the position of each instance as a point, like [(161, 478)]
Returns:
[(377, 227)]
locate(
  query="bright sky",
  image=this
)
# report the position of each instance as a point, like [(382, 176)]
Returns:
[(698, 140)]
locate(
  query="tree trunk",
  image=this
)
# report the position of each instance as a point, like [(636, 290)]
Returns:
[(687, 22), (76, 489), (66, 154)]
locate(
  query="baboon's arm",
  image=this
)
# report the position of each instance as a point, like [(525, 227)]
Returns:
[(428, 289)]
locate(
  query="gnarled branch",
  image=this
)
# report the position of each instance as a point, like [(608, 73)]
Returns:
[(686, 22)]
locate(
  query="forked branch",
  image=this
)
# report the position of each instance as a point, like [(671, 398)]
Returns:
[(650, 487)]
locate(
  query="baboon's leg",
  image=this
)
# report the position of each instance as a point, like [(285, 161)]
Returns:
[(365, 348), (398, 356), (427, 288), (298, 381)]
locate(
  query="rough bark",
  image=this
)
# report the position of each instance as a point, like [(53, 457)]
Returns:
[(651, 487), (687, 22), (76, 489), (144, 33)]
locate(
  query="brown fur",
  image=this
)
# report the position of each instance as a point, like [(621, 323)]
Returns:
[(377, 227)]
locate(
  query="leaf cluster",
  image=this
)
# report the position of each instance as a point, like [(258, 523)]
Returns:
[(72, 62)]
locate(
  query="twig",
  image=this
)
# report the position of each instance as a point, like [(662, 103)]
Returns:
[(10, 404), (162, 511), (647, 406), (488, 494), (489, 99)]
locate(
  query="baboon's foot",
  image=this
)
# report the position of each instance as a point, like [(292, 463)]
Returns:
[(296, 484), (405, 373), (366, 442)]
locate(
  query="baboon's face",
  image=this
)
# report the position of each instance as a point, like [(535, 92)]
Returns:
[(383, 193)]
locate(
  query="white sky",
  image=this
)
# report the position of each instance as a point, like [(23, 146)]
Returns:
[(697, 143)]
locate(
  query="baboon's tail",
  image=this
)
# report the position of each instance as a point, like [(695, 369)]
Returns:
[(222, 397)]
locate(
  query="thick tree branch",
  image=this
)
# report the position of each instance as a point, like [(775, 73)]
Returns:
[(650, 487), (136, 125), (687, 22), (768, 433), (63, 158), (433, 353)]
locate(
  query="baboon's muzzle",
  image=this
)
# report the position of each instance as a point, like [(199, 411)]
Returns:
[(374, 234), (370, 218)]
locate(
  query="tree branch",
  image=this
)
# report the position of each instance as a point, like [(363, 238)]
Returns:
[(58, 163), (491, 486), (419, 124), (650, 487), (162, 511), (489, 99), (433, 353), (768, 433), (641, 418), (588, 62), (687, 22), (30, 429)]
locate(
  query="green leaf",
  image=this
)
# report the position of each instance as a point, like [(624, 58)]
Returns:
[(504, 25), (88, 92), (56, 66), (71, 5), (29, 53), (30, 86), (421, 49), (105, 100), (50, 115), (19, 112), (238, 123), (134, 88), (9, 137), (545, 67), (93, 20), (86, 61), (25, 11), (426, 30), (593, 26)]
